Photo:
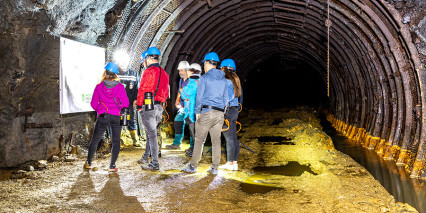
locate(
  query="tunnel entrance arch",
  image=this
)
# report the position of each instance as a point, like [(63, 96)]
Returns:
[(376, 89)]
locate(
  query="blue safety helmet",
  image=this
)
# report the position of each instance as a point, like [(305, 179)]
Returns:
[(228, 63), (212, 56), (143, 56), (112, 67), (153, 51)]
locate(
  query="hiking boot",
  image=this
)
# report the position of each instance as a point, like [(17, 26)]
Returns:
[(87, 166), (134, 137), (212, 171), (150, 167), (172, 146), (143, 161), (189, 169), (189, 150), (189, 154)]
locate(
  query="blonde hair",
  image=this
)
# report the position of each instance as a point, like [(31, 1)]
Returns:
[(109, 76), (234, 79)]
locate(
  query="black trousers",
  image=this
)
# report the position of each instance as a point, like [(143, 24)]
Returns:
[(101, 125)]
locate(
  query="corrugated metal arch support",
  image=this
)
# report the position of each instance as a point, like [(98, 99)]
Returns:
[(374, 62)]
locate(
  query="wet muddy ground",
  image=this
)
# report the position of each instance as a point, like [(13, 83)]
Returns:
[(297, 169)]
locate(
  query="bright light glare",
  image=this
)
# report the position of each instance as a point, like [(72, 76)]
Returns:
[(122, 58)]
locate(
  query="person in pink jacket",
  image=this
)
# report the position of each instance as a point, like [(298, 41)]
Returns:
[(108, 99)]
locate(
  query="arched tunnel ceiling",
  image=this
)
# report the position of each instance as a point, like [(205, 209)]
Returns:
[(374, 65)]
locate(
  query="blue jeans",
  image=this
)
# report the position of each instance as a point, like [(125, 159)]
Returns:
[(191, 126), (150, 120), (101, 125), (179, 125), (232, 143)]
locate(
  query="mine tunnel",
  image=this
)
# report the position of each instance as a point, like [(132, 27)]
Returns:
[(354, 67)]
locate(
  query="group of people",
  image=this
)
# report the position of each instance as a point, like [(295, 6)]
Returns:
[(204, 102)]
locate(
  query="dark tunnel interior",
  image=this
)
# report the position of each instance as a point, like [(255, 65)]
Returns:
[(276, 83), (361, 63)]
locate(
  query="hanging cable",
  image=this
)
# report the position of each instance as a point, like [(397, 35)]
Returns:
[(328, 24)]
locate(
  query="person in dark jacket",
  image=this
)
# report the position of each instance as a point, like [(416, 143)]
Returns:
[(232, 143), (156, 81), (108, 99), (212, 98), (130, 79)]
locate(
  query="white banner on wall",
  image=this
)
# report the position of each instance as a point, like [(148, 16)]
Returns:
[(81, 68)]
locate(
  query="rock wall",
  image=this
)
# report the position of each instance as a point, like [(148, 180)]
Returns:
[(29, 69)]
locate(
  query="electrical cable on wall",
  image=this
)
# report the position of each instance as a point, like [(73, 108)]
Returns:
[(328, 24)]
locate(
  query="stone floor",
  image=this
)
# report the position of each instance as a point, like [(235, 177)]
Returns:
[(296, 169)]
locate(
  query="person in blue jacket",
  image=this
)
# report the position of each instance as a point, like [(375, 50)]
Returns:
[(232, 144), (188, 95), (211, 101), (179, 122)]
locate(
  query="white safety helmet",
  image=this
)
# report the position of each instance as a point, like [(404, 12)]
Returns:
[(183, 65), (195, 66)]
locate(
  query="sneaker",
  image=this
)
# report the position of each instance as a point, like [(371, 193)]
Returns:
[(150, 167), (137, 145), (189, 154), (143, 161), (235, 167), (212, 171), (113, 169), (189, 169), (189, 150), (227, 166), (172, 146), (87, 165)]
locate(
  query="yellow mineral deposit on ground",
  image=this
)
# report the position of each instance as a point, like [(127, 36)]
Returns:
[(297, 169)]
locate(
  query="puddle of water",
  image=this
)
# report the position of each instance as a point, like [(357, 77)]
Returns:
[(276, 122), (275, 140), (293, 168), (391, 177), (257, 189)]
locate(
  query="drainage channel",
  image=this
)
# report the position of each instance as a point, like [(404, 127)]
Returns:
[(393, 178)]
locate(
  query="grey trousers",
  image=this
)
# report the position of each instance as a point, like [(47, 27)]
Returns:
[(209, 122), (150, 120)]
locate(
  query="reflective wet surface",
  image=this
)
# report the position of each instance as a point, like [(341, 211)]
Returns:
[(293, 168), (309, 176), (392, 177)]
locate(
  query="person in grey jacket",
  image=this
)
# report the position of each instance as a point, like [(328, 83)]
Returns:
[(212, 98)]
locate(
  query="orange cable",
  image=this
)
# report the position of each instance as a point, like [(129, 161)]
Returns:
[(240, 126), (104, 105), (227, 123)]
